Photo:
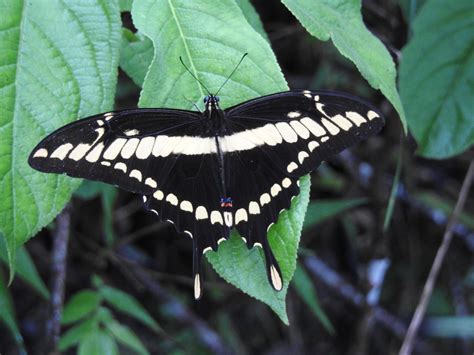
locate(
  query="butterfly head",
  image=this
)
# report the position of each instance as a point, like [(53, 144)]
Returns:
[(211, 102)]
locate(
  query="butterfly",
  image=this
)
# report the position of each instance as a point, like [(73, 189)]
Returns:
[(213, 171)]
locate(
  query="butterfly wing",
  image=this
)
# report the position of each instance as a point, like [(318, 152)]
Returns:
[(123, 148), (168, 156), (275, 140)]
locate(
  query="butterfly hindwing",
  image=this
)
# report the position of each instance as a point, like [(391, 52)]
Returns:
[(275, 140)]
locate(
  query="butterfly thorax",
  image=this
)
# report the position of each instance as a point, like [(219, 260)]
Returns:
[(214, 114)]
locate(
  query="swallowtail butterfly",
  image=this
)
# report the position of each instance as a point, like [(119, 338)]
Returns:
[(210, 172)]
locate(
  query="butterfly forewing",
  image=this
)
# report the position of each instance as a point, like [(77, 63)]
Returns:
[(210, 172)]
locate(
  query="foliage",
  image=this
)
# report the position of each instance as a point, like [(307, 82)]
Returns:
[(436, 74), (94, 329), (46, 83), (59, 62)]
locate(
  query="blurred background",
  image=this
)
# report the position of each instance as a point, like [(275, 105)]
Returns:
[(357, 283)]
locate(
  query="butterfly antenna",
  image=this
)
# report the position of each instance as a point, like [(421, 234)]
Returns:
[(194, 76), (233, 71), (192, 103)]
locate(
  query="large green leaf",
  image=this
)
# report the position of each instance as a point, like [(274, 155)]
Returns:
[(58, 62), (252, 17), (136, 55), (436, 78), (245, 268), (137, 50), (341, 21), (211, 37)]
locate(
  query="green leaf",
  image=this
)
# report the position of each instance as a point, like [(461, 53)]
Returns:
[(211, 37), (7, 313), (128, 305), (81, 304), (252, 17), (77, 333), (320, 210), (98, 343), (126, 336), (341, 21), (305, 288), (125, 5), (25, 267), (58, 62), (245, 268), (136, 55), (436, 82)]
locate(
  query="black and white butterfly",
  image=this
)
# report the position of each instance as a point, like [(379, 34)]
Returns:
[(210, 172)]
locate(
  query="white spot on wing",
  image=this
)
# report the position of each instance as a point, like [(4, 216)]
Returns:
[(158, 195), (114, 149), (201, 213), (186, 206), (254, 208), (61, 151), (121, 166), (228, 218), (172, 199), (216, 217), (151, 182), (129, 148), (94, 154), (314, 128), (293, 114), (131, 132), (276, 278), (324, 139), (331, 127), (145, 147), (136, 174), (197, 286), (275, 190), (356, 118), (287, 132), (312, 145), (105, 163), (270, 226), (241, 215), (41, 153), (264, 199), (286, 182), (292, 167), (372, 114), (302, 156), (342, 122), (300, 129)]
